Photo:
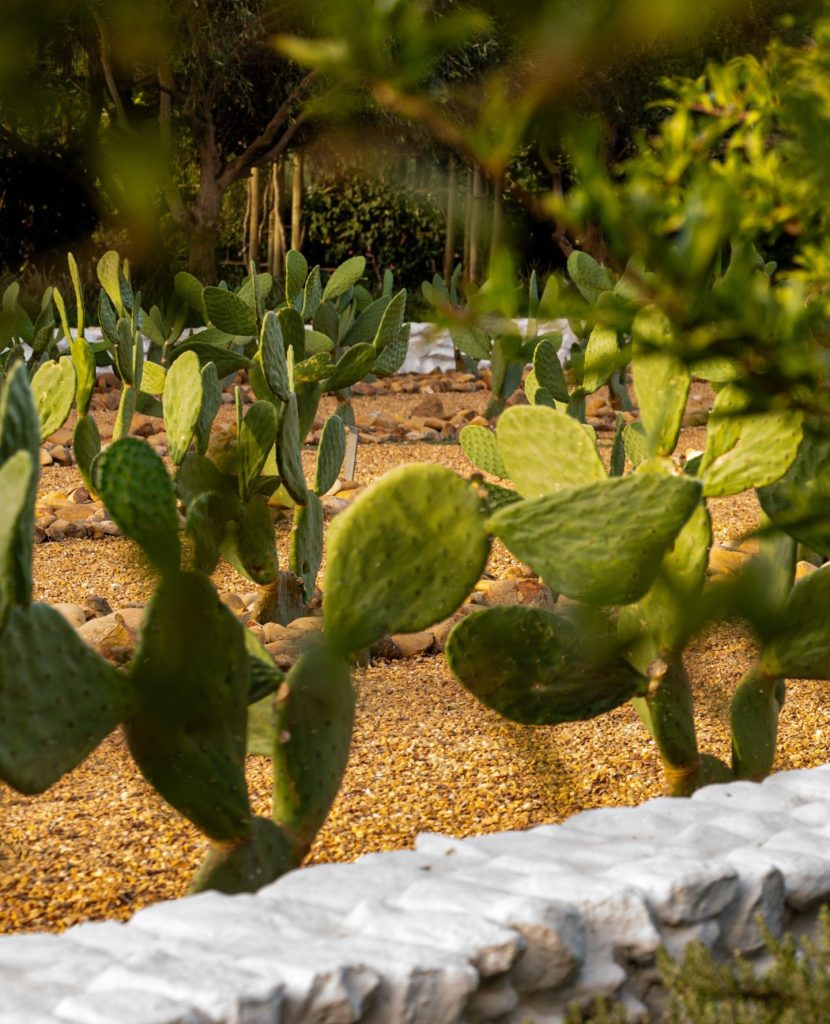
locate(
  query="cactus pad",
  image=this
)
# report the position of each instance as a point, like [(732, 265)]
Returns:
[(256, 440), (390, 326), (403, 556), (296, 272), (344, 277), (86, 444), (182, 404), (602, 357), (205, 526), (590, 277), (482, 449), (58, 698), (602, 543), (330, 454), (229, 312), (313, 719), (126, 411), (293, 332), (635, 443), (15, 482), (537, 668), (662, 385), (394, 354), (152, 379), (53, 391), (211, 401), (312, 294), (747, 449), (312, 369), (288, 453), (272, 353), (198, 475), (265, 676), (755, 710), (250, 544), (84, 360), (545, 451), (245, 866), (352, 366), (800, 648), (548, 371), (307, 543), (799, 501), (138, 494), (188, 733)]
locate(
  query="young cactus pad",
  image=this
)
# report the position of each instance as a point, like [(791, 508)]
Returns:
[(662, 385), (482, 449), (800, 648), (182, 404), (246, 865), (191, 674), (545, 451), (58, 698), (139, 495), (53, 390), (15, 480), (330, 453), (799, 501), (537, 668), (602, 543), (403, 556)]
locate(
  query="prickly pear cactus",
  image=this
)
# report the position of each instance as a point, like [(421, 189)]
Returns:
[(53, 390), (245, 865), (798, 502), (58, 698), (538, 668), (756, 706), (421, 531), (482, 449), (330, 453), (548, 371), (138, 493), (16, 475), (662, 385), (307, 543), (257, 435), (182, 404), (314, 712), (545, 451), (800, 647), (187, 734), (288, 453), (601, 543)]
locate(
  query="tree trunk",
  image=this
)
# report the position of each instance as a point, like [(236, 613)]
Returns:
[(479, 195), (254, 193), (497, 230), (449, 241), (276, 235), (297, 202), (468, 220)]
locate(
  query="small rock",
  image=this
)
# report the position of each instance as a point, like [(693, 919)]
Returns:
[(284, 653), (80, 495), (73, 613), (442, 631), (412, 644), (95, 607), (112, 399), (44, 521), (45, 458), (386, 649), (143, 426), (307, 624), (234, 602), (74, 513), (227, 399), (722, 560), (110, 637), (803, 569), (61, 436), (275, 633), (257, 630), (430, 406)]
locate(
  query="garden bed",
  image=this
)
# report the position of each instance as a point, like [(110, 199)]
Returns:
[(426, 756)]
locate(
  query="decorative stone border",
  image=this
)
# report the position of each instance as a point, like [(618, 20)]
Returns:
[(511, 927)]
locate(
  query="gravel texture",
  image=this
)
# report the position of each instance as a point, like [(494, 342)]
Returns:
[(425, 755)]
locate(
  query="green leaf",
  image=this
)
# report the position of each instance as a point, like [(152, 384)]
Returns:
[(307, 542), (84, 361), (211, 401), (15, 485), (312, 294), (662, 385), (250, 543), (472, 341), (346, 275), (190, 289), (86, 445), (110, 277)]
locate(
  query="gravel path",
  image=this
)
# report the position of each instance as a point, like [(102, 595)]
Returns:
[(425, 755)]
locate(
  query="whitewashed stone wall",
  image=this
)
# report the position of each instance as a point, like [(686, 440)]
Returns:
[(511, 927)]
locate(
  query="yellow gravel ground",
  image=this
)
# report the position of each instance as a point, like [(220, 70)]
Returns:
[(425, 755)]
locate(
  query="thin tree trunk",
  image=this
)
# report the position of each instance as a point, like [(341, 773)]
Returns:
[(497, 230), (476, 223), (468, 220), (254, 193), (276, 249), (297, 201), (449, 240)]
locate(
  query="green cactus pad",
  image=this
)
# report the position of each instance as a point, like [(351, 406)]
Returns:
[(344, 277), (330, 454), (662, 385), (109, 275), (183, 391), (152, 379), (211, 401), (188, 733), (205, 525), (225, 361), (671, 713), (747, 449), (472, 341), (265, 676), (800, 648), (393, 356), (256, 440), (126, 411), (617, 462), (602, 358), (352, 366), (317, 342), (288, 453), (545, 451), (58, 698), (189, 288), (536, 668), (482, 449), (53, 391), (86, 444), (312, 294), (307, 543), (314, 715), (296, 272), (308, 400), (313, 369), (247, 865), (403, 556), (250, 542), (755, 710), (138, 494), (84, 359), (199, 475), (15, 484), (365, 326), (19, 430), (272, 353), (390, 326), (799, 502), (590, 277), (229, 313), (548, 371), (326, 324), (293, 332), (495, 497), (602, 543), (635, 442)]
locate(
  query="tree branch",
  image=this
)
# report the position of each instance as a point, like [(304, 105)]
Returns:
[(106, 66)]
